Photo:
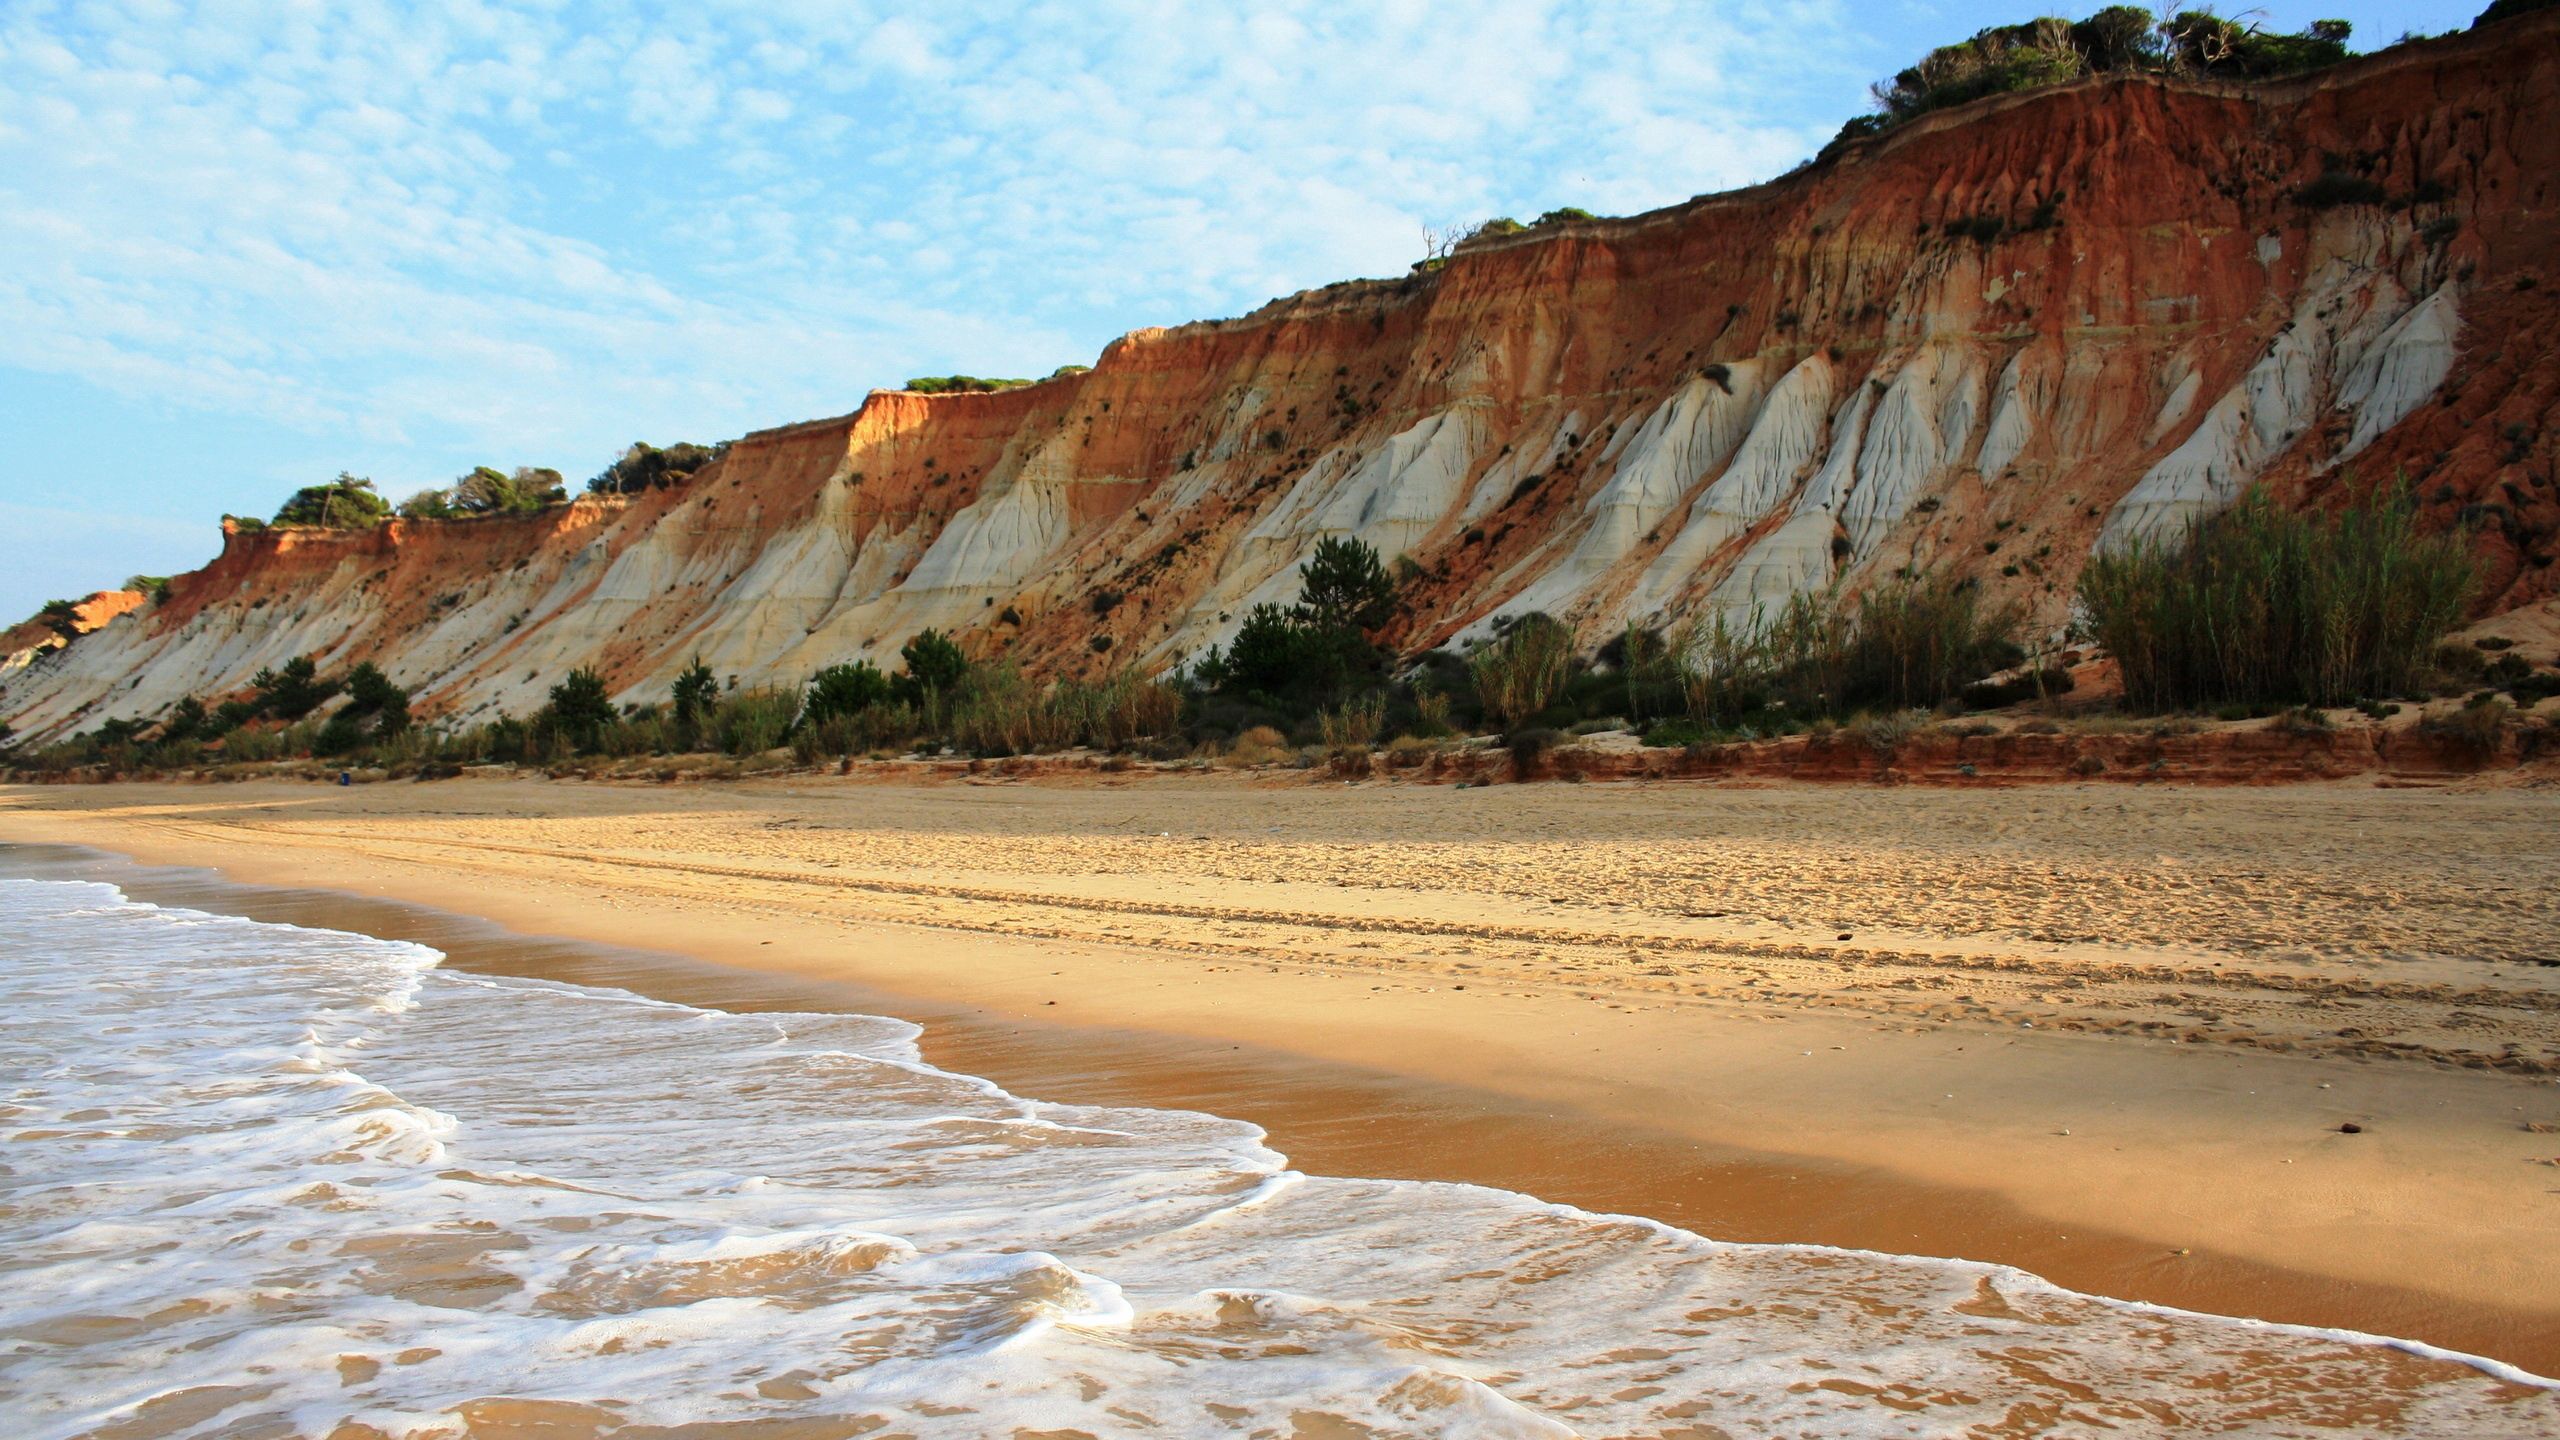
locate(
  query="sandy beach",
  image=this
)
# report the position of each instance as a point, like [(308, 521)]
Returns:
[(2108, 1034)]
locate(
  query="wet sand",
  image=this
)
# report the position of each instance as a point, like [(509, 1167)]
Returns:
[(1336, 964)]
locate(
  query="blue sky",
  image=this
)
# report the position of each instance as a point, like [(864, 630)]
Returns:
[(250, 245)]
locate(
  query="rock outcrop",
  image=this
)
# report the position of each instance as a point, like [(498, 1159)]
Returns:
[(1991, 340)]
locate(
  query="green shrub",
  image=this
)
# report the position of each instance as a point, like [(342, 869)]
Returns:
[(2258, 605), (697, 691), (372, 697), (648, 733), (2203, 43), (487, 491), (252, 746), (842, 691), (343, 733), (1678, 732), (2534, 688), (2116, 40), (430, 504), (348, 503), (2506, 670), (187, 720), (1648, 668), (820, 739), (2302, 720), (1885, 733), (958, 384), (1343, 587), (1918, 642), (579, 709), (1325, 646), (935, 665), (292, 692), (646, 467), (2478, 729)]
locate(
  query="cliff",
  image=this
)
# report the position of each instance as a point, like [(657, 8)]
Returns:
[(1988, 341)]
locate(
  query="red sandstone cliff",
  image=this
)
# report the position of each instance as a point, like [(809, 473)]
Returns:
[(1990, 340)]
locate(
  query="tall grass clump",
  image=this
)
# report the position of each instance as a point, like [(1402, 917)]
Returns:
[(1352, 727), (1119, 710), (997, 710), (1525, 671), (2258, 605), (1918, 642), (1907, 645), (751, 722)]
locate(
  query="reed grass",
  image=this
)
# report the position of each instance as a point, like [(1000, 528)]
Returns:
[(2259, 605), (1908, 645), (1353, 725), (1525, 671)]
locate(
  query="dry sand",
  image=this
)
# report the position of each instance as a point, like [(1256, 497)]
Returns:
[(2107, 1033)]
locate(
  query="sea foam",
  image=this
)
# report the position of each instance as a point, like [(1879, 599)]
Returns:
[(261, 1179)]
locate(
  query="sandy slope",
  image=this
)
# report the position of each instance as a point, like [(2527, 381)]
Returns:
[(2138, 1011)]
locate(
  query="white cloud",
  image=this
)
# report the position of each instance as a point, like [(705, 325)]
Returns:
[(532, 233)]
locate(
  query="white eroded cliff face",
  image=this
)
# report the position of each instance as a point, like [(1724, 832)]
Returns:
[(2355, 346)]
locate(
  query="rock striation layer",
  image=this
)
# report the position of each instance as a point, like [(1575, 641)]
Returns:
[(1991, 341)]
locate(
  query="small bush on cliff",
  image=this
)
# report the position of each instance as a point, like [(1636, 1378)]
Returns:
[(2261, 605), (431, 504), (486, 491), (958, 384), (2120, 39), (2510, 9), (646, 467), (346, 503)]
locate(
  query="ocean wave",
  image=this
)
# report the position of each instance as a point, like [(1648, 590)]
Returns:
[(267, 1179)]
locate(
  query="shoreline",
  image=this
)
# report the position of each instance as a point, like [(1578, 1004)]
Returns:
[(1689, 1113)]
